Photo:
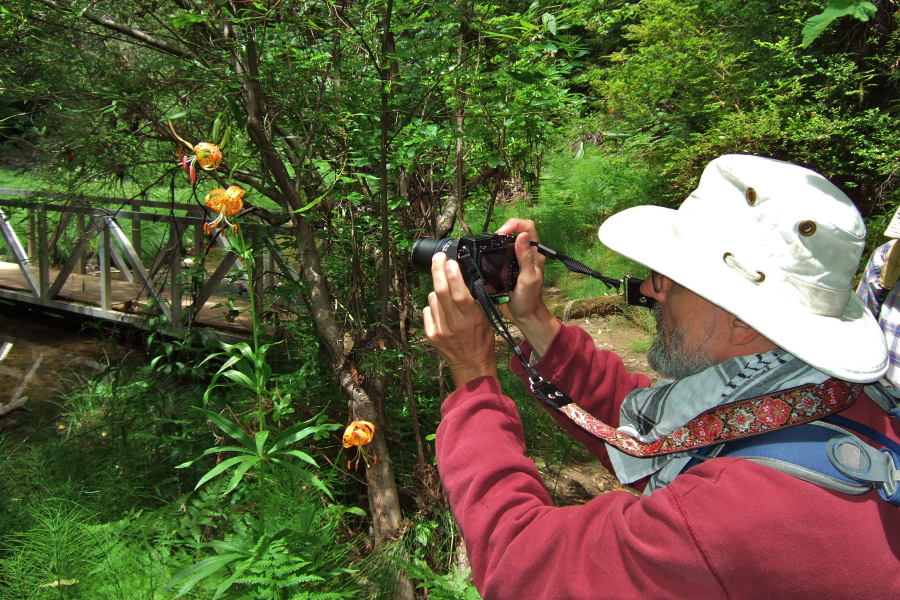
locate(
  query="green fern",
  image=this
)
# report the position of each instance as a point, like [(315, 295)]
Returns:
[(300, 559), (278, 574)]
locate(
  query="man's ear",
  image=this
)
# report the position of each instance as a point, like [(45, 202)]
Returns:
[(742, 334), (749, 340)]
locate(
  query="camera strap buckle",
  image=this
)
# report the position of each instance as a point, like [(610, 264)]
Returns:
[(547, 392)]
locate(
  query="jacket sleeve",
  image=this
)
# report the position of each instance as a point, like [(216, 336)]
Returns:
[(727, 528)]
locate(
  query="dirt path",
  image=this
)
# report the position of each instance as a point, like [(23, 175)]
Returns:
[(627, 331), (622, 336)]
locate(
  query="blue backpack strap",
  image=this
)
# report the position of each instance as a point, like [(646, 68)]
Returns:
[(826, 454), (801, 452)]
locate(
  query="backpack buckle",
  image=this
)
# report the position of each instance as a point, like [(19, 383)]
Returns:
[(860, 461)]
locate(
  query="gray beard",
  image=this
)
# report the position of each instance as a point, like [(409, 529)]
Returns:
[(670, 355)]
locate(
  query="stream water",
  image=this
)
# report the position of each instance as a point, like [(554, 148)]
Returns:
[(41, 356)]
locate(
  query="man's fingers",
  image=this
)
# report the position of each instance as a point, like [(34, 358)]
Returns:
[(431, 318), (458, 289), (449, 285), (439, 273), (451, 302), (519, 226)]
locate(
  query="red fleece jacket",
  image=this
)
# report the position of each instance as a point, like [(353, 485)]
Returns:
[(727, 528)]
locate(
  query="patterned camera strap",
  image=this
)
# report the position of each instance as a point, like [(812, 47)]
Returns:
[(718, 425)]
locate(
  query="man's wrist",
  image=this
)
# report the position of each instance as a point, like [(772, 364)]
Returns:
[(540, 331), (464, 374)]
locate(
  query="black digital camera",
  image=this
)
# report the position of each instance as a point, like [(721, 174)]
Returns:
[(494, 256)]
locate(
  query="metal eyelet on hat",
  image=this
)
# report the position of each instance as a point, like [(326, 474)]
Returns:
[(732, 262), (751, 196), (807, 228)]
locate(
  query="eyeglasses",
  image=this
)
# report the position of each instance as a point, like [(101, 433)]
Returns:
[(657, 280)]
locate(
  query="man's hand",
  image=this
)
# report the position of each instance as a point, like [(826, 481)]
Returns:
[(526, 306), (456, 326)]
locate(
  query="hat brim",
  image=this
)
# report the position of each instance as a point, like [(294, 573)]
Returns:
[(850, 347)]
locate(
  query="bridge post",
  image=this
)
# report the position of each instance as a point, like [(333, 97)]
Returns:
[(105, 284), (175, 274), (80, 226), (43, 254), (30, 245), (136, 229)]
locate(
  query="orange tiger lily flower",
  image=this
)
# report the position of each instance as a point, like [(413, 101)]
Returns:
[(359, 433), (207, 155), (226, 203)]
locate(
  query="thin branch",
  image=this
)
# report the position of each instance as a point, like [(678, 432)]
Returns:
[(135, 34)]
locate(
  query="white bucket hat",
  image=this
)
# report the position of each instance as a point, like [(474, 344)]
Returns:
[(774, 244)]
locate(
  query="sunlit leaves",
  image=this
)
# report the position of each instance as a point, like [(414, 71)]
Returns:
[(187, 18), (858, 9)]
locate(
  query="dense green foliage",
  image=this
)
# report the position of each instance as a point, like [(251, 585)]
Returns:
[(368, 125)]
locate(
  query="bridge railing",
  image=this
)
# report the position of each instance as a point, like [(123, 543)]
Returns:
[(116, 227)]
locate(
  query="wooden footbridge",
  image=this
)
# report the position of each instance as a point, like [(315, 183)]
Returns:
[(89, 255)]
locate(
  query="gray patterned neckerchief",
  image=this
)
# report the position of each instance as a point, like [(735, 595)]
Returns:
[(649, 414)]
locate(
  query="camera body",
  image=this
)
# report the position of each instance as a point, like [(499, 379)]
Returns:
[(493, 254)]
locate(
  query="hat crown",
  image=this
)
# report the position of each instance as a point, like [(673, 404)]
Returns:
[(774, 244), (781, 225)]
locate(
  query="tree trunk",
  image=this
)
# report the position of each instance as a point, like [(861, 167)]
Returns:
[(384, 501)]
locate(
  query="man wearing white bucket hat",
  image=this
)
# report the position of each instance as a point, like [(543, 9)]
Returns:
[(762, 338)]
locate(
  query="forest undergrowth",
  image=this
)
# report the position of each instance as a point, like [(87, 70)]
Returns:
[(94, 506)]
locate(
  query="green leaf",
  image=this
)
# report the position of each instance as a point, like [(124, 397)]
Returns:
[(202, 570), (292, 435), (261, 438), (526, 77), (222, 466), (580, 153), (549, 22), (217, 449), (228, 363), (217, 129), (241, 379), (223, 587), (240, 471), (177, 115), (301, 455), (814, 26), (228, 427), (186, 19), (237, 112)]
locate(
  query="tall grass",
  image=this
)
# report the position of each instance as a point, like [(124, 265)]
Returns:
[(579, 189)]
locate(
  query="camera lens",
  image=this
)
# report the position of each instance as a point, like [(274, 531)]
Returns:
[(424, 250)]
